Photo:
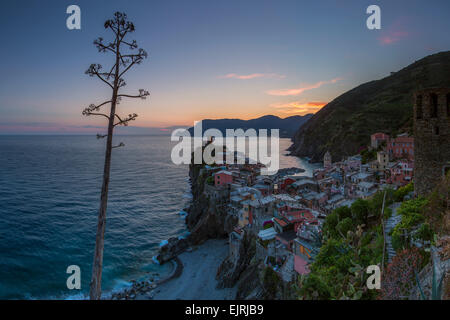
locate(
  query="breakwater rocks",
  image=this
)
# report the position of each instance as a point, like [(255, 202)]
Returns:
[(145, 289), (136, 289), (172, 249)]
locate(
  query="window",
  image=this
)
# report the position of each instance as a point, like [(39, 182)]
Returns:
[(436, 130), (434, 105), (419, 111), (448, 104), (446, 170)]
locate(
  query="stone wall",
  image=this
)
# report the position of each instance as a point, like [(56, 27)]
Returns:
[(431, 137)]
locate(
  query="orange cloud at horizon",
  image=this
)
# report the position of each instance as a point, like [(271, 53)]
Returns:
[(298, 91), (300, 108)]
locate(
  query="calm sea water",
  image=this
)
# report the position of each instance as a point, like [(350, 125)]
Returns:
[(49, 199)]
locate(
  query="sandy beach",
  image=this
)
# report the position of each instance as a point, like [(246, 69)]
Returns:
[(197, 280)]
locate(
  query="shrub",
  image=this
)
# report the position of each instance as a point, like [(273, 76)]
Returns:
[(270, 281), (401, 192), (398, 241), (376, 202), (210, 180), (412, 214), (387, 213), (314, 287), (399, 277), (267, 225), (424, 232), (368, 155)]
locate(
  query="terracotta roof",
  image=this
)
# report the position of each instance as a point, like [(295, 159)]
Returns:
[(224, 172), (403, 139), (281, 222), (298, 215), (380, 135)]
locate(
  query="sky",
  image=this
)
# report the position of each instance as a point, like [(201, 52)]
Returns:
[(207, 59)]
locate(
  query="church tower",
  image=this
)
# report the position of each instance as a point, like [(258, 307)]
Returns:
[(327, 160)]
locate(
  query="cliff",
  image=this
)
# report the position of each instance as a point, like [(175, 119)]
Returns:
[(207, 218), (345, 124)]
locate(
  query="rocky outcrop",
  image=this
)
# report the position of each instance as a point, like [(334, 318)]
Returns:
[(171, 249), (249, 286), (229, 272), (207, 218)]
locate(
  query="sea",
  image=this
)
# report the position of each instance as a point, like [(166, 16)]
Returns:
[(49, 200)]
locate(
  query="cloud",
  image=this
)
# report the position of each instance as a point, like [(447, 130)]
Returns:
[(252, 76), (395, 32), (298, 107), (392, 37), (298, 91)]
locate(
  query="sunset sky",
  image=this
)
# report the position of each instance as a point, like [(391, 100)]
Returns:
[(207, 59)]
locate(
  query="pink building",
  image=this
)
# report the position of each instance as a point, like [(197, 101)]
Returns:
[(401, 173), (302, 256), (377, 139), (222, 178), (401, 147)]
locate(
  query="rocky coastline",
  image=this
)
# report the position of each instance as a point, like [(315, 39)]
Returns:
[(207, 219)]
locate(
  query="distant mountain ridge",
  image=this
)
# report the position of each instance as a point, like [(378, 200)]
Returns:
[(287, 126), (345, 124)]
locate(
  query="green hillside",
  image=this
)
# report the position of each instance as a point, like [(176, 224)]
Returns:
[(345, 124)]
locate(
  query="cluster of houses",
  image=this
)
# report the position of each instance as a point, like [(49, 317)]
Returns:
[(285, 211), (395, 158)]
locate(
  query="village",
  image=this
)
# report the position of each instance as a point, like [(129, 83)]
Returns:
[(285, 211)]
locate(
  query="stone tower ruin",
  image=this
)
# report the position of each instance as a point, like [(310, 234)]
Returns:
[(431, 137)]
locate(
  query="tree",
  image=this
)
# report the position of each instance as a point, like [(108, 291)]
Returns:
[(343, 212), (344, 226), (360, 211), (120, 27)]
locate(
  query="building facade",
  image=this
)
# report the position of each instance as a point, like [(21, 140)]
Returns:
[(401, 147), (377, 139), (222, 178)]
